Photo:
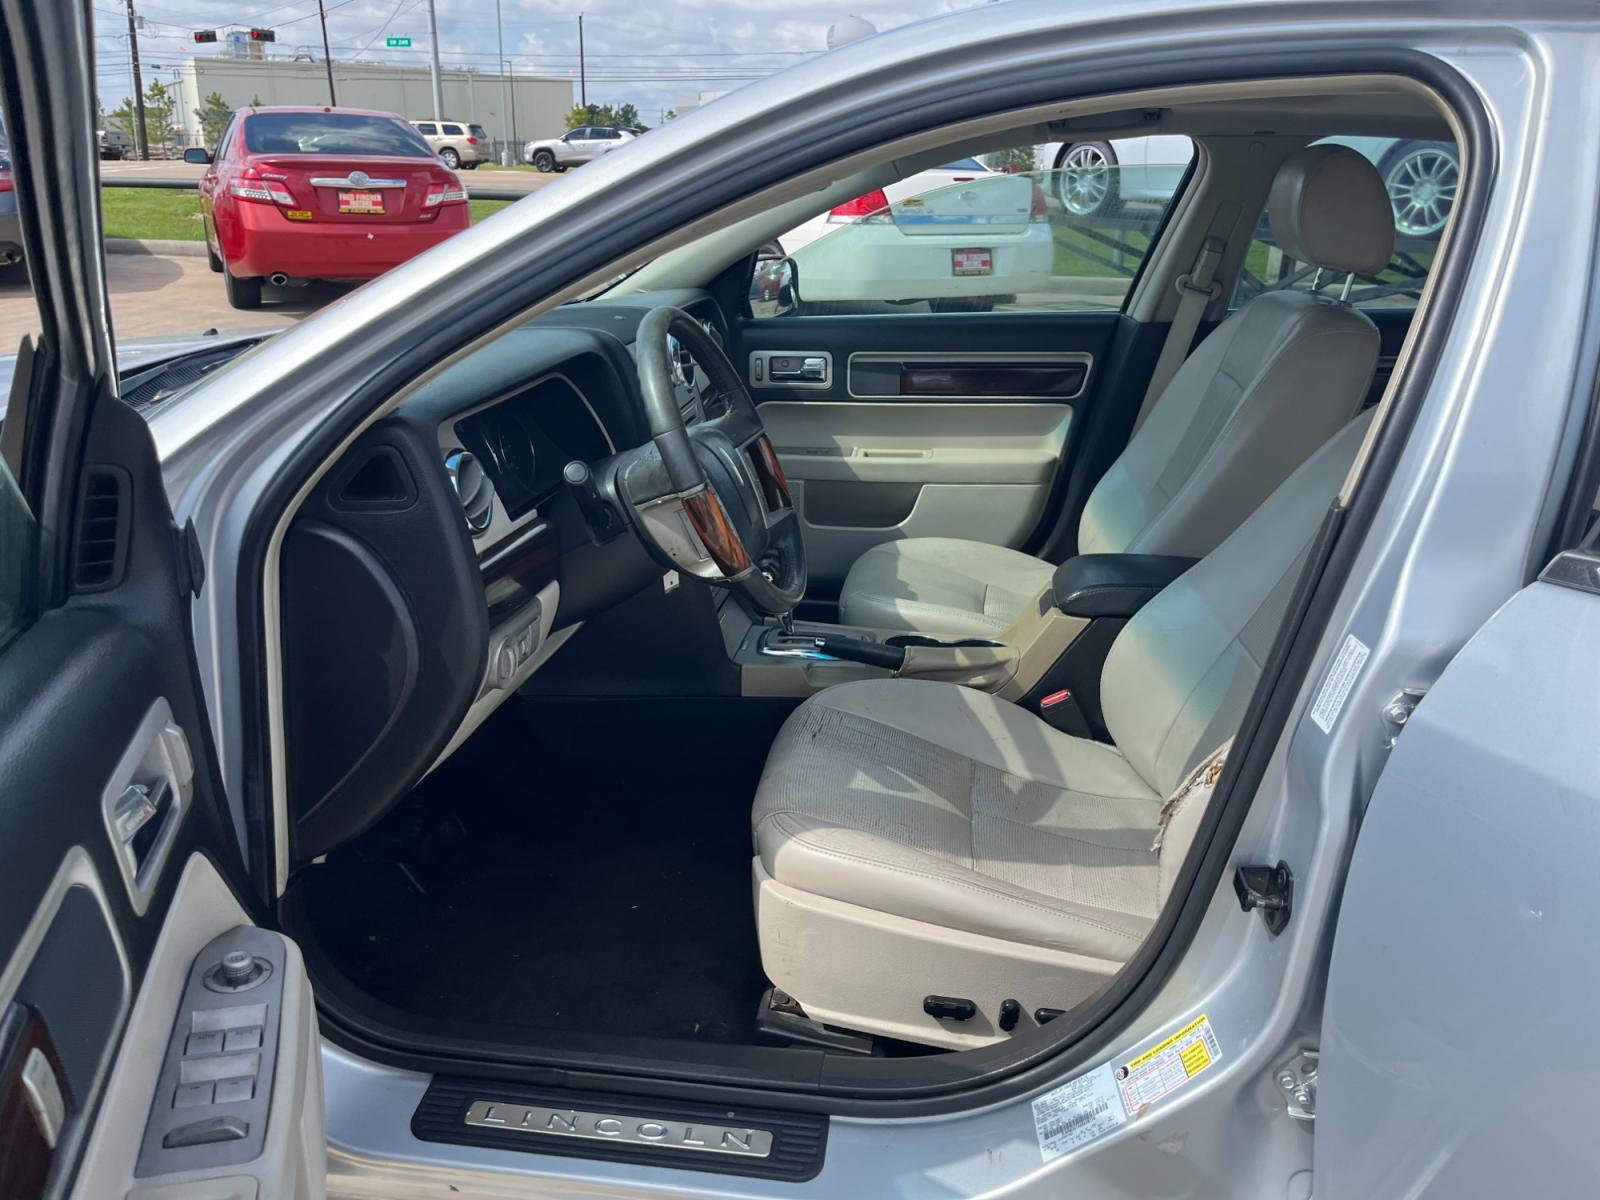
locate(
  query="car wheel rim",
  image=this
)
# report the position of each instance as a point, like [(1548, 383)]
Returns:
[(1422, 189), (1085, 180)]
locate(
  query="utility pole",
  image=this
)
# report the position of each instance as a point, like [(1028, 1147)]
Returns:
[(139, 139), (583, 72), (327, 56), (433, 56), (507, 158)]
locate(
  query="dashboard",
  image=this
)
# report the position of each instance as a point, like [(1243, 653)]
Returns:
[(454, 547)]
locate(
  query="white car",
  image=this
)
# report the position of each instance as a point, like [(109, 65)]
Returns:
[(931, 234), (1094, 177), (576, 146)]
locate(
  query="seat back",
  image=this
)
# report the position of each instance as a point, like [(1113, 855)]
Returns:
[(1269, 386), (1179, 676)]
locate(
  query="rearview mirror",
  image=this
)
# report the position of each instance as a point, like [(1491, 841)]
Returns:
[(195, 154)]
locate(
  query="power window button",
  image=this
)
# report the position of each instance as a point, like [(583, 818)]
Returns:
[(192, 1095), (203, 1043), (207, 1132), (243, 1039), (235, 1091)]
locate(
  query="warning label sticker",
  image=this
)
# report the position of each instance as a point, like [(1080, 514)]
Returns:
[(1341, 678), (1077, 1112), (1164, 1068)]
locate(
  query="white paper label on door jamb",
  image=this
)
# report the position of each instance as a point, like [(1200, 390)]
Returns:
[(1341, 678)]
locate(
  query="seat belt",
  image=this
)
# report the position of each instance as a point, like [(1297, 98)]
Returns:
[(1196, 290)]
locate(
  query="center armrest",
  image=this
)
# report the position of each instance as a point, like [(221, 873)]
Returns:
[(1113, 585)]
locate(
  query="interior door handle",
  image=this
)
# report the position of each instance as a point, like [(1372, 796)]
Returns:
[(145, 800), (138, 806)]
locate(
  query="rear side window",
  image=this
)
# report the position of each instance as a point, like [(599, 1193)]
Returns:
[(963, 164), (1422, 179), (477, 132), (332, 133), (452, 130)]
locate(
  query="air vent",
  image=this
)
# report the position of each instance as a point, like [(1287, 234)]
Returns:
[(100, 550), (473, 489)]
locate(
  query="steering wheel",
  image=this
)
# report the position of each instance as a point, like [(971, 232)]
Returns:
[(711, 498)]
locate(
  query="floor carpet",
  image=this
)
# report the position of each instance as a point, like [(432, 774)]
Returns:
[(581, 867)]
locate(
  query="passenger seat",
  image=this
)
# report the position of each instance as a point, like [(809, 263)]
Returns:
[(1269, 386)]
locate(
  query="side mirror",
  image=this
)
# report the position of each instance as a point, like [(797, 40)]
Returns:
[(774, 286), (194, 154)]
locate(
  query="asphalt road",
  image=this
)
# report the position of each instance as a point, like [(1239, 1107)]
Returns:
[(157, 296), (482, 179)]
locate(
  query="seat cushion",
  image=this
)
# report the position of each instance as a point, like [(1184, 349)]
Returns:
[(942, 586), (945, 805)]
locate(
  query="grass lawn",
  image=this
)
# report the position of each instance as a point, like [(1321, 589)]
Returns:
[(151, 213), (173, 214), (489, 166)]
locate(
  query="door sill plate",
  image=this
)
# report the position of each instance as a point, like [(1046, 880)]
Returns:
[(762, 1143)]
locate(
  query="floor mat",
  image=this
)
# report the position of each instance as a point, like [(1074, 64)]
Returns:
[(602, 885)]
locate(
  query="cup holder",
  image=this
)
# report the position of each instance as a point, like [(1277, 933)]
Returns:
[(917, 639)]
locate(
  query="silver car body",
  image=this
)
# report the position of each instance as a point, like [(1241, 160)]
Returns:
[(1445, 1069)]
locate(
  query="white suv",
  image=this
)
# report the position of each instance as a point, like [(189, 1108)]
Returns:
[(576, 146)]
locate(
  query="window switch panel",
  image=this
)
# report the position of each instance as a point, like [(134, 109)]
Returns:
[(242, 1039)]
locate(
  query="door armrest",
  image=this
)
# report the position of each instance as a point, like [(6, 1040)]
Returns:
[(1113, 585)]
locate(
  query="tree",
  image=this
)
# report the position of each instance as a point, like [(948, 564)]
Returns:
[(625, 115), (160, 103), (1018, 158), (160, 106), (213, 115)]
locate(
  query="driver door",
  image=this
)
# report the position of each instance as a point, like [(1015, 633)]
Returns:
[(149, 1031)]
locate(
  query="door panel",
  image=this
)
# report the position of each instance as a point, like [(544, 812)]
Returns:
[(1465, 968), (924, 424), (865, 472), (108, 779)]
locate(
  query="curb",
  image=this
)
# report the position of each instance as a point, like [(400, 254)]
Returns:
[(167, 247)]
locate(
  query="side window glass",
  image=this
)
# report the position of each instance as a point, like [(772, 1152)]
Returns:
[(1421, 179), (19, 533), (1034, 228), (452, 130), (428, 129)]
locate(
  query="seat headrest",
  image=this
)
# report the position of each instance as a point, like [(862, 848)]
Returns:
[(1328, 207)]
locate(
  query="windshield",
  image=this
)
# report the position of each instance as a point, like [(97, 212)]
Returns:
[(332, 133)]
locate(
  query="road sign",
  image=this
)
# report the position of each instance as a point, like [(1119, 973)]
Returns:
[(397, 43)]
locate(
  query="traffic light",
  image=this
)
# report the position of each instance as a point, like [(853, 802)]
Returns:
[(205, 35), (263, 35)]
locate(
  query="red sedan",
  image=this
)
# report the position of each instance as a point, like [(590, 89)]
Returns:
[(296, 194)]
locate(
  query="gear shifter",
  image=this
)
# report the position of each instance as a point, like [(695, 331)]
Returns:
[(786, 623)]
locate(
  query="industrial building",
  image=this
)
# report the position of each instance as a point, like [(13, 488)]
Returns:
[(537, 107)]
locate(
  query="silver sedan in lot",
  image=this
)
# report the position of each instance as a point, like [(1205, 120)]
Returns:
[(568, 719)]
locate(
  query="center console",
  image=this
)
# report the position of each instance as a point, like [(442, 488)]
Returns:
[(1049, 660)]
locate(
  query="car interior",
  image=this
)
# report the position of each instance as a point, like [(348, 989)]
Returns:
[(685, 682)]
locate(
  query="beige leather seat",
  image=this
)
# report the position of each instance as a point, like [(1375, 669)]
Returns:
[(1269, 386), (917, 838)]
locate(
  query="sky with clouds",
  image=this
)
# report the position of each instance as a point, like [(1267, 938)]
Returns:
[(637, 52)]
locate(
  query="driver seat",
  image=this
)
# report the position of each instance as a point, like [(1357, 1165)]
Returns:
[(919, 839)]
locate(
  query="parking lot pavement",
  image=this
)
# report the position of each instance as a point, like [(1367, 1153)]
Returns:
[(482, 179), (152, 295)]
